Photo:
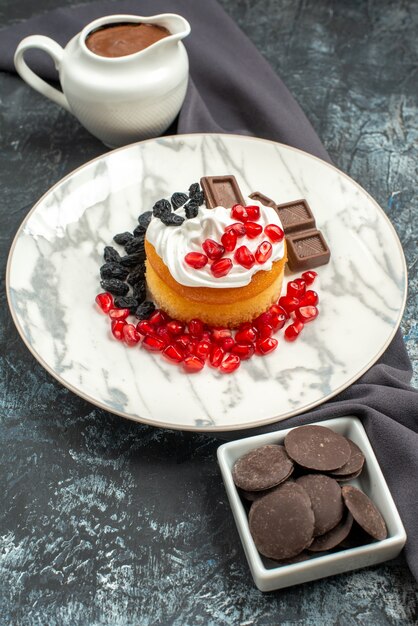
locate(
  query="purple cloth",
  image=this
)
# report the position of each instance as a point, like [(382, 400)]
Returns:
[(221, 98)]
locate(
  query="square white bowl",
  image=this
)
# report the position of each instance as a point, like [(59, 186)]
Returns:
[(371, 481)]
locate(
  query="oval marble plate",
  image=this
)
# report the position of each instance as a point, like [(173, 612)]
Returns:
[(52, 279)]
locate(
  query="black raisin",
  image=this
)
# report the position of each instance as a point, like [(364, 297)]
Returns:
[(126, 302), (123, 238), (115, 286), (113, 270), (139, 231), (145, 218), (136, 245), (198, 198), (139, 291), (160, 208), (178, 199), (110, 254), (172, 219), (194, 188), (137, 275), (132, 260), (191, 210), (145, 310)]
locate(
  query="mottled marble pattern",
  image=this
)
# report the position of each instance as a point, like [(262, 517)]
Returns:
[(87, 530), (361, 290)]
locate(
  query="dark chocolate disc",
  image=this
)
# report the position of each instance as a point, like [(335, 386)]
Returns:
[(254, 495), (262, 468), (282, 522), (326, 500), (333, 537), (356, 537), (299, 558), (347, 477), (354, 464), (364, 512), (317, 448)]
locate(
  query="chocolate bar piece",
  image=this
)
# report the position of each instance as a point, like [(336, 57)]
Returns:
[(260, 197), (295, 216), (306, 250), (221, 191)]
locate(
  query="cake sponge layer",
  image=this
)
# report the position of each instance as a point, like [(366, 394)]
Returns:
[(229, 314)]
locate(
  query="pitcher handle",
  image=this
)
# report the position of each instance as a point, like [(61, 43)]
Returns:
[(56, 52)]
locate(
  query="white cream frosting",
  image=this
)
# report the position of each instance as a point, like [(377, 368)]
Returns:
[(172, 243)]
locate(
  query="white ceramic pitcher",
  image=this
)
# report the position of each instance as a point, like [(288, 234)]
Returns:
[(118, 99)]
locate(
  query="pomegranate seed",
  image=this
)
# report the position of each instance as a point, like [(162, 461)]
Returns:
[(265, 346), (216, 356), (246, 335), (263, 252), (266, 330), (292, 332), (309, 276), (221, 267), (229, 240), (213, 249), (243, 350), (158, 318), (145, 328), (192, 346), (227, 344), (274, 233), (192, 364), (239, 212), (296, 288), (105, 301), (306, 314), (289, 303), (230, 363), (163, 333), (278, 310), (264, 318), (196, 260), (183, 341), (238, 228), (244, 257), (202, 349), (278, 320), (310, 297), (153, 344), (130, 335), (117, 329), (219, 334), (207, 336), (253, 212), (252, 229), (175, 327), (118, 314), (173, 353), (196, 328)]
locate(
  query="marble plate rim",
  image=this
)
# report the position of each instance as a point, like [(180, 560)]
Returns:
[(191, 427)]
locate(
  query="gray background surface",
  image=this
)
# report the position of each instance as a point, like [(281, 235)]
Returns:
[(108, 522)]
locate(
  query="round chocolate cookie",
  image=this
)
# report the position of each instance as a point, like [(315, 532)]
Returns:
[(354, 464), (333, 537), (262, 468), (317, 448), (282, 522), (327, 503), (364, 512)]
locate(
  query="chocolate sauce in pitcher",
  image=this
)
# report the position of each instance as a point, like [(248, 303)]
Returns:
[(118, 40)]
